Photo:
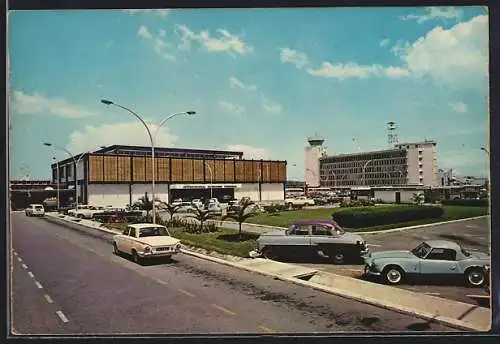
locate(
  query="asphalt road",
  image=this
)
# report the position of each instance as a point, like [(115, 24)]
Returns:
[(72, 283), (473, 235)]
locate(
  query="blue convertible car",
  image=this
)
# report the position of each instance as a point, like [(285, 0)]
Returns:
[(432, 258)]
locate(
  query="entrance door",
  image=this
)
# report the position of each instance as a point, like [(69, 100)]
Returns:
[(398, 197)]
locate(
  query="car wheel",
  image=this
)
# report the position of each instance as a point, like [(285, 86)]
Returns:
[(269, 253), (475, 277), (115, 249), (337, 258), (136, 258), (393, 275)]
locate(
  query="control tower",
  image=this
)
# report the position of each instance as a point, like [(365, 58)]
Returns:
[(313, 153)]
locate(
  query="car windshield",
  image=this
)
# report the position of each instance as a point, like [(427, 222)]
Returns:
[(153, 231), (464, 252), (421, 250), (38, 207)]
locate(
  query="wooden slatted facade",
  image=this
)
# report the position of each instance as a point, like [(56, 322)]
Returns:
[(136, 169)]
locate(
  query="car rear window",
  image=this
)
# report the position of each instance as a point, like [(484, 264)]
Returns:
[(38, 207)]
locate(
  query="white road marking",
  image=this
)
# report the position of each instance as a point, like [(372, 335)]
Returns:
[(15, 253), (471, 226), (19, 259), (38, 285), (472, 296), (431, 293), (47, 297), (31, 274), (62, 316), (25, 266), (373, 245)]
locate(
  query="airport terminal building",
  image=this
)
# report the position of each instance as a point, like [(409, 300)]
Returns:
[(119, 175)]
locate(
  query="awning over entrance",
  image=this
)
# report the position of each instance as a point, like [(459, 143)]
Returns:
[(204, 186)]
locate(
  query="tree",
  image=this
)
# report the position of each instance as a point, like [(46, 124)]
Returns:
[(241, 214), (418, 198), (202, 216), (172, 209), (146, 204)]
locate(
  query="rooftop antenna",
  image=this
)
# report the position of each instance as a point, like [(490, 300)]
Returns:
[(392, 136)]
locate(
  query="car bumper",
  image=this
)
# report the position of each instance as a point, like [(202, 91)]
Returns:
[(370, 273), (157, 254)]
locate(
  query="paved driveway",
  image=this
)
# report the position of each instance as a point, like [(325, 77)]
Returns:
[(471, 234)]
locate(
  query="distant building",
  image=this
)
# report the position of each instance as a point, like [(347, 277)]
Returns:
[(406, 164), (313, 153)]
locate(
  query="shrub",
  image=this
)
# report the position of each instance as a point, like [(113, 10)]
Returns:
[(375, 216), (467, 202)]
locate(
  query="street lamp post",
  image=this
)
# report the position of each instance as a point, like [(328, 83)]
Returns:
[(152, 139), (48, 144), (211, 179), (57, 176), (363, 171)]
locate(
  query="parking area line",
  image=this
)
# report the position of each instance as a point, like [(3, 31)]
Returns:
[(39, 285), (62, 316), (187, 293), (31, 274), (25, 266), (472, 296), (222, 309), (19, 259)]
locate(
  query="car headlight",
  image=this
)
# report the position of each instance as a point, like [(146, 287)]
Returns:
[(178, 247), (486, 268), (147, 249)]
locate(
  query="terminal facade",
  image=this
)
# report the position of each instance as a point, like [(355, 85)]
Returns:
[(119, 175)]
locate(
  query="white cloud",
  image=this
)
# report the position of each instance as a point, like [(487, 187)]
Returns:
[(33, 104), (342, 71), (459, 107), (159, 45), (294, 57), (226, 42), (231, 107), (125, 133), (163, 12), (234, 82), (384, 42), (144, 32), (271, 106), (449, 55), (435, 13), (250, 152)]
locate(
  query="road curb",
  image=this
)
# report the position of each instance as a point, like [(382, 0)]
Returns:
[(454, 323), (461, 325)]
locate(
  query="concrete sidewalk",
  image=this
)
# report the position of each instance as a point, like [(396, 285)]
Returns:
[(456, 314)]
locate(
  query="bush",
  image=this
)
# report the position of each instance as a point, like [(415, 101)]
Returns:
[(371, 216), (357, 203), (467, 202)]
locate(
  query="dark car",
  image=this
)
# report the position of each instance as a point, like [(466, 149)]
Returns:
[(312, 238)]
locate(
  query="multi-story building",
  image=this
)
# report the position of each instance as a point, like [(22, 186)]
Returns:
[(313, 153), (119, 175), (405, 164)]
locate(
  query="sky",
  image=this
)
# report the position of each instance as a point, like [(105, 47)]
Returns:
[(260, 80)]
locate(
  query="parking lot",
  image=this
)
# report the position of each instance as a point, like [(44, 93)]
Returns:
[(473, 235)]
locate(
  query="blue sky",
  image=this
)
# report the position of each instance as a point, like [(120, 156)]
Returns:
[(260, 80)]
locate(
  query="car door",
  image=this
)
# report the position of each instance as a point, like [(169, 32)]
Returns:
[(131, 239), (298, 243), (121, 240), (439, 262), (321, 239)]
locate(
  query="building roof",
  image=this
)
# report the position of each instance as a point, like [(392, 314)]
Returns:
[(392, 150), (425, 142), (161, 151)]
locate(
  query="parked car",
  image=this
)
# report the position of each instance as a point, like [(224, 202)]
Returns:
[(197, 203), (320, 201), (74, 211), (312, 238), (177, 201), (432, 258), (35, 210), (145, 240), (299, 201)]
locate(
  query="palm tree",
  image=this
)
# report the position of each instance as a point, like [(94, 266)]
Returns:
[(241, 214), (201, 215), (172, 209), (146, 204)]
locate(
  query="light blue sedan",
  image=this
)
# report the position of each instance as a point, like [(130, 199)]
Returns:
[(432, 258)]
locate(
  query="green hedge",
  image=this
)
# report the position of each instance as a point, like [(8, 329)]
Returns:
[(375, 216), (467, 202)]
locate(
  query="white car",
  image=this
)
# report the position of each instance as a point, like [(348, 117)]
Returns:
[(35, 210), (146, 240), (197, 203)]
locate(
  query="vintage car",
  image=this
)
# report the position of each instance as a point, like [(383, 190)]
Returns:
[(312, 238), (431, 259), (35, 210), (145, 240)]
